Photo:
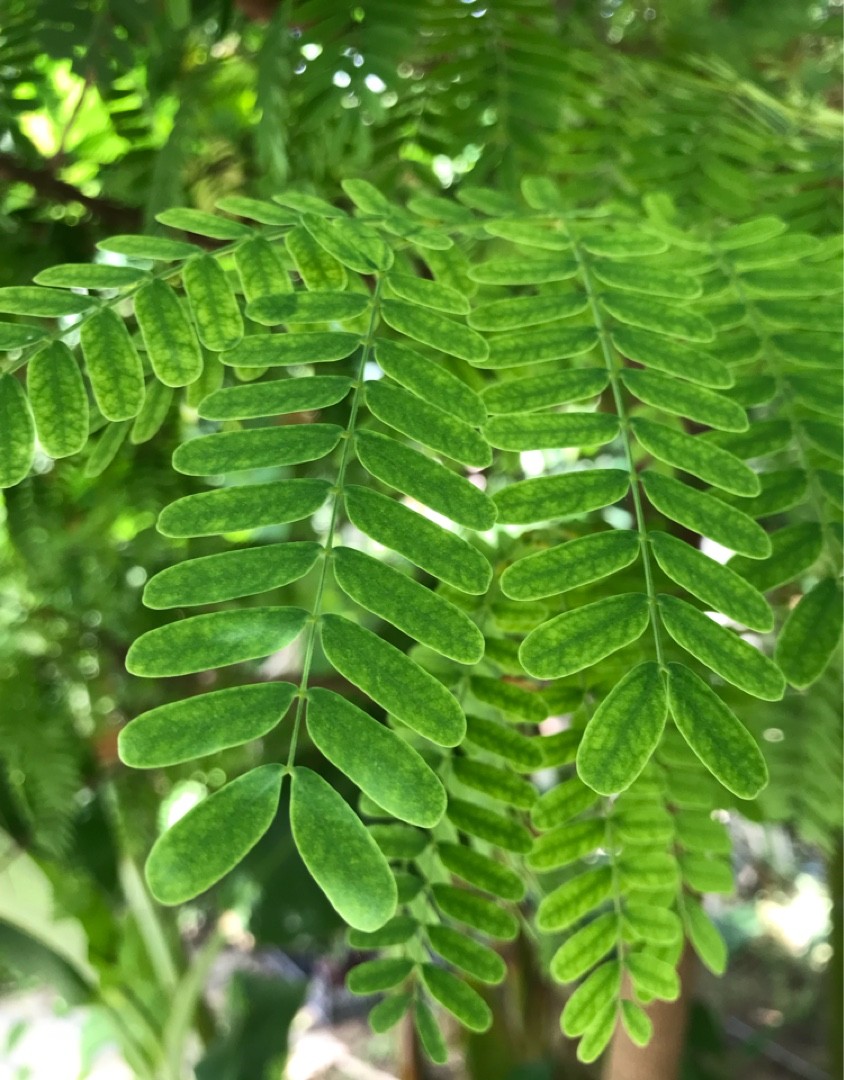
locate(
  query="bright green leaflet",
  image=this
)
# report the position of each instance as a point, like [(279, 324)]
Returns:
[(214, 836), (283, 350), (811, 634), (537, 431), (114, 367), (547, 498), (17, 432), (168, 335), (250, 507), (214, 307), (340, 854), (541, 391), (697, 456), (58, 399), (624, 731), (275, 398), (567, 566), (260, 448)]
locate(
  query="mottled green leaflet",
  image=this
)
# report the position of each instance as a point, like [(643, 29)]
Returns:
[(434, 329), (213, 303), (203, 724), (566, 566), (672, 357), (214, 836), (430, 294), (203, 223), (90, 276), (283, 350), (340, 854), (527, 311), (393, 681), (306, 307), (549, 498), (430, 380), (45, 303), (250, 507), (685, 399), (17, 432), (537, 431), (257, 448), (376, 759), (153, 248), (516, 349), (697, 456), (715, 734), (113, 364), (203, 642), (276, 398), (168, 335), (58, 399), (260, 269), (541, 391), (811, 634)]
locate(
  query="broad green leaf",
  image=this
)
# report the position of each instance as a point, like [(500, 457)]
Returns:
[(429, 1033), (457, 997), (417, 611), (794, 549), (154, 248), (106, 448), (424, 479), (427, 424), (45, 303), (749, 233), (203, 642), (722, 650), (230, 574), (590, 998), (482, 871), (315, 266), (704, 937), (715, 584), (467, 954), (811, 634), (672, 357), (375, 976), (376, 759), (203, 223), (58, 399), (539, 431), (255, 448), (541, 391), (577, 639), (641, 277), (561, 803), (623, 731), (350, 242), (585, 948), (276, 398), (252, 506), (706, 515), (425, 544), (565, 845), (658, 316), (513, 701), (623, 244), (168, 335), (569, 902), (261, 270), (154, 412), (430, 381), (567, 566), (549, 498), (215, 310), (340, 854), (393, 681), (652, 976), (90, 276), (522, 311), (685, 399), (516, 349), (17, 432), (697, 456), (646, 922), (306, 307), (388, 1012), (203, 724), (17, 335), (213, 837), (475, 911), (283, 350), (500, 784), (522, 753), (432, 328), (497, 829), (266, 213), (637, 1023), (716, 735), (516, 271), (114, 367), (428, 293)]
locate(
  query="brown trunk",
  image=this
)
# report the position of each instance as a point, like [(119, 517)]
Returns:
[(661, 1058)]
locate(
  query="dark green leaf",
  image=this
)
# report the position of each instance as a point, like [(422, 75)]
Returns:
[(811, 634)]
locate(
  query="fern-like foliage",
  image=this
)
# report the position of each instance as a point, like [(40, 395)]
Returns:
[(621, 351)]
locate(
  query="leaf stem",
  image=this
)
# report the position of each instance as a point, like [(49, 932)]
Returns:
[(624, 420), (316, 611)]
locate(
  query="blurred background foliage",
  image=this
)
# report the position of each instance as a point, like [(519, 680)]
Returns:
[(112, 110)]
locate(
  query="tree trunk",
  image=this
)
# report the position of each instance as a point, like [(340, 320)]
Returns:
[(662, 1057)]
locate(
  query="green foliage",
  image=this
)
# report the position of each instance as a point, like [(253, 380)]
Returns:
[(599, 380)]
